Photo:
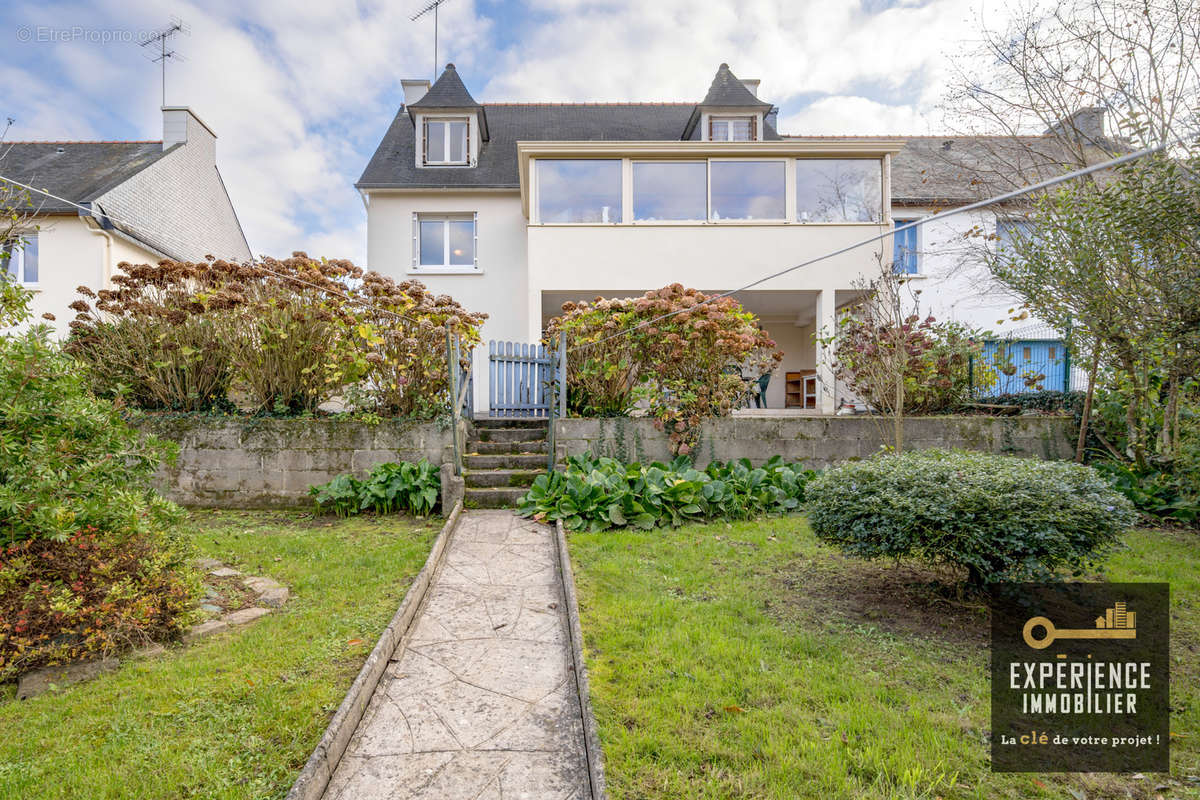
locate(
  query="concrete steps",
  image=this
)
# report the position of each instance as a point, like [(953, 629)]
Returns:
[(494, 497), (503, 456), (505, 448)]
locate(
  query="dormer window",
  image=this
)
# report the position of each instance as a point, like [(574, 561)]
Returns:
[(732, 129), (447, 141)]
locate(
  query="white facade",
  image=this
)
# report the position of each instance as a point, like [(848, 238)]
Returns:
[(73, 252), (524, 269), (954, 283)]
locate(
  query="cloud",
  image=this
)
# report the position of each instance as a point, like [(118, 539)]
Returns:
[(301, 93), (841, 114)]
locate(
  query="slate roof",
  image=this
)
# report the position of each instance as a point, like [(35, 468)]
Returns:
[(728, 91), (961, 169), (81, 172), (394, 163), (447, 92)]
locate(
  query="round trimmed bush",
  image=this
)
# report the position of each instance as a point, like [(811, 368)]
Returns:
[(997, 517)]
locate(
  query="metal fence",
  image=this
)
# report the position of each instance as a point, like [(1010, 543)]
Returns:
[(1030, 359)]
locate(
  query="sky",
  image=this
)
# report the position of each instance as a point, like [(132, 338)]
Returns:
[(300, 94)]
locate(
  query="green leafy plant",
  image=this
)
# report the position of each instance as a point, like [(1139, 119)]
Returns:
[(68, 461), (387, 489), (599, 493), (1154, 492), (996, 517), (90, 557)]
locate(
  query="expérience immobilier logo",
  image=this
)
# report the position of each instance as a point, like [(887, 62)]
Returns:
[(1080, 677)]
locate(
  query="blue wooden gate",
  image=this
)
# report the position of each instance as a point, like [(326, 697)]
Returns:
[(520, 378)]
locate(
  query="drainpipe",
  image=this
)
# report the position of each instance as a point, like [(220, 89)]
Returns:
[(106, 263)]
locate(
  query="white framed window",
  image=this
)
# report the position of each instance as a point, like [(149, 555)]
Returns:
[(20, 259), (579, 191), (732, 129), (445, 242), (839, 190), (447, 141), (747, 189), (670, 190)]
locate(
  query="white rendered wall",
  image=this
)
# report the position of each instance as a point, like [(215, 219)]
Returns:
[(72, 254), (498, 288), (954, 284)]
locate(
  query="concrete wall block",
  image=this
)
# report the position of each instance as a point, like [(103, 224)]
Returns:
[(363, 460), (801, 428), (287, 460)]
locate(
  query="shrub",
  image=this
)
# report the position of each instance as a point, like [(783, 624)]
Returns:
[(291, 336), (89, 562), (1165, 494), (388, 488), (406, 365), (600, 493), (997, 517), (89, 596), (153, 338), (68, 461), (935, 358), (686, 363), (287, 334)]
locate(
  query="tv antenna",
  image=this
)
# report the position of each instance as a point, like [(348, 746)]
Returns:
[(431, 6), (161, 38)]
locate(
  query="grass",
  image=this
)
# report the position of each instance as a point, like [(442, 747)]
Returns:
[(236, 715), (748, 660)]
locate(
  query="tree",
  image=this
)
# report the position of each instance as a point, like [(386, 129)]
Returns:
[(897, 358), (1121, 263), (1109, 260)]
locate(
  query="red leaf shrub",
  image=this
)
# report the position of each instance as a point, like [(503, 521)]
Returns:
[(89, 596), (289, 334), (685, 362)]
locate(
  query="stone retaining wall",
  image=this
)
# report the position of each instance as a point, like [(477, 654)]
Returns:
[(818, 441), (248, 462)]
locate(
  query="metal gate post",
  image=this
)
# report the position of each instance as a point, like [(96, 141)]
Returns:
[(562, 373), (451, 379)]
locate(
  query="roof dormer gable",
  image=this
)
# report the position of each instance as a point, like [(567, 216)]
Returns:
[(729, 112), (449, 124)]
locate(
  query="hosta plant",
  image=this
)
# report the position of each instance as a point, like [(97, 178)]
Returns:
[(389, 488), (600, 493)]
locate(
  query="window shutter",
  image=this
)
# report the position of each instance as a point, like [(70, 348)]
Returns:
[(710, 129), (469, 160), (424, 142), (475, 233), (416, 227), (754, 129)]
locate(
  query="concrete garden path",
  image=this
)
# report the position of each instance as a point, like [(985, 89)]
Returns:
[(480, 701)]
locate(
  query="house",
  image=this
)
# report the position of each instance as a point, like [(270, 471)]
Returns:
[(941, 259), (516, 208), (117, 201)]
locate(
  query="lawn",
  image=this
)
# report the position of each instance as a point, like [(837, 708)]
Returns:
[(237, 715), (749, 660)]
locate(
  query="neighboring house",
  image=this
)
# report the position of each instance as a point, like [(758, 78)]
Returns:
[(145, 201), (516, 208), (935, 173)]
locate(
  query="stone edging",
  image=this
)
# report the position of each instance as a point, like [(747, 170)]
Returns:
[(591, 739), (311, 783)]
